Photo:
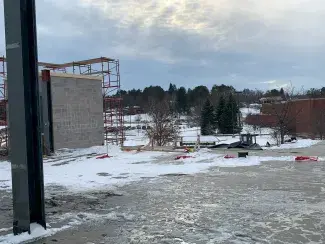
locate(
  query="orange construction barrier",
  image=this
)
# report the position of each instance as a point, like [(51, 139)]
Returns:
[(183, 157), (103, 156), (306, 158), (229, 156)]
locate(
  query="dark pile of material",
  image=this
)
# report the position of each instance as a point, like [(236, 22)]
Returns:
[(238, 144)]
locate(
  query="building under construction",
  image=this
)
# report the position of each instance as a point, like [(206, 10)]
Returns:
[(74, 94)]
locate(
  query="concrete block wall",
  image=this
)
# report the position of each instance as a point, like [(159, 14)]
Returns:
[(77, 106)]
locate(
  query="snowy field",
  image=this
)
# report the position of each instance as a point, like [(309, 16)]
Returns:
[(80, 170), (263, 136), (138, 138)]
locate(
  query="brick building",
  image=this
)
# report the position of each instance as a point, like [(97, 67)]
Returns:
[(306, 117)]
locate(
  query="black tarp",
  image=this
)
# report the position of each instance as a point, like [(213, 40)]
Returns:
[(255, 146), (223, 145), (238, 144)]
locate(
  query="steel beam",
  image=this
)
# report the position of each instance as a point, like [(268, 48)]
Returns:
[(46, 93), (24, 113)]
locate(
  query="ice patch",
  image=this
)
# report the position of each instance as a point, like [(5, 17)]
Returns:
[(5, 229), (37, 232), (74, 219), (301, 143)]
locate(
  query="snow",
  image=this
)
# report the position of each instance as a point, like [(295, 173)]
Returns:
[(88, 173), (37, 232), (301, 143), (77, 171), (71, 220), (135, 120), (247, 111), (5, 229), (263, 136), (190, 135), (136, 142), (135, 138)]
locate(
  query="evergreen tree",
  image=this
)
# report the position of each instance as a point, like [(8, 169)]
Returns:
[(227, 115), (218, 118), (234, 113), (181, 100), (226, 119), (172, 89), (231, 116), (207, 117)]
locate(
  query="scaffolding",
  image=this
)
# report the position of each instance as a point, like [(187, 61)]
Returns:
[(109, 70)]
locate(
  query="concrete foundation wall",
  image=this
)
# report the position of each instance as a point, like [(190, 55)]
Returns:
[(77, 105)]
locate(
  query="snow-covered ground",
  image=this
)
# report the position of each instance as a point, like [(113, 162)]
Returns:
[(136, 138), (263, 136), (37, 231), (88, 173), (80, 170), (138, 119), (71, 220), (247, 111)]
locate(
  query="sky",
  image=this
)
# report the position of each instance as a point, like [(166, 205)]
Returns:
[(256, 44)]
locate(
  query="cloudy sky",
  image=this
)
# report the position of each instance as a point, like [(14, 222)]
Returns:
[(246, 43)]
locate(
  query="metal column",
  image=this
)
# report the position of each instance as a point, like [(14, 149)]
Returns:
[(24, 110), (47, 113)]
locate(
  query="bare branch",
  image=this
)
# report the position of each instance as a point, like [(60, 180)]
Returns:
[(163, 128), (285, 114)]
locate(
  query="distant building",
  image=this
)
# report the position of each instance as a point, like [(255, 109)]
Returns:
[(133, 110), (306, 117), (271, 99)]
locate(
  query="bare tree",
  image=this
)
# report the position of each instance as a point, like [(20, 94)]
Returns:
[(194, 118), (163, 128), (286, 115)]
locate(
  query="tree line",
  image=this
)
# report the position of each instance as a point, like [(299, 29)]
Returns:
[(185, 100)]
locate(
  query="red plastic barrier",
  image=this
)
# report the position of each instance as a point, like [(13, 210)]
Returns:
[(306, 158), (103, 156), (229, 156), (182, 157)]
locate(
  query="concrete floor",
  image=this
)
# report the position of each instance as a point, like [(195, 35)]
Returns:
[(276, 202)]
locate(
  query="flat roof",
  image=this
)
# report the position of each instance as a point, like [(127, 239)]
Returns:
[(68, 75)]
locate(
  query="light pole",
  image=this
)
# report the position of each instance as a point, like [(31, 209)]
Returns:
[(25, 115)]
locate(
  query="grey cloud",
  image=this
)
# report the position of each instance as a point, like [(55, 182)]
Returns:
[(240, 43)]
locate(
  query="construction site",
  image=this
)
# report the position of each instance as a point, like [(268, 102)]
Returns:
[(80, 104)]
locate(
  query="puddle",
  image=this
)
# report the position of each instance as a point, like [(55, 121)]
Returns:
[(104, 174), (170, 175)]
